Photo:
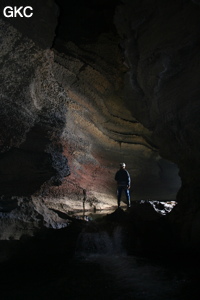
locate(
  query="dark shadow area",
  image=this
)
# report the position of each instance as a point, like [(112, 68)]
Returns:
[(22, 172), (75, 19), (40, 27), (84, 261), (38, 159)]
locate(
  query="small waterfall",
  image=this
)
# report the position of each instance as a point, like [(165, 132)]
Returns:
[(100, 243), (133, 277)]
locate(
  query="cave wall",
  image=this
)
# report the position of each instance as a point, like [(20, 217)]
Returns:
[(88, 97), (33, 114), (102, 130), (161, 45), (30, 124), (67, 108), (162, 49)]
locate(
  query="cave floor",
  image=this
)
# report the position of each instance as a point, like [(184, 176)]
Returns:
[(48, 268), (98, 278), (95, 260)]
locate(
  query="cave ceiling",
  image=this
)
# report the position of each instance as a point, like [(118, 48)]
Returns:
[(88, 84)]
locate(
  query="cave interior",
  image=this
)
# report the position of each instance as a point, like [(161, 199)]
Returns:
[(86, 85)]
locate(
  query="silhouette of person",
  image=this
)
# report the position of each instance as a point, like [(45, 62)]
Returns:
[(123, 184)]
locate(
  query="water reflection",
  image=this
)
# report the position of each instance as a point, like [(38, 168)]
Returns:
[(91, 215), (161, 207)]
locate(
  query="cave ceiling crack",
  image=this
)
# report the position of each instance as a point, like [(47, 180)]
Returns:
[(140, 144), (84, 59), (123, 119), (151, 145)]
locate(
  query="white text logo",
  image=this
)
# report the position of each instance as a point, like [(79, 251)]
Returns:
[(10, 12)]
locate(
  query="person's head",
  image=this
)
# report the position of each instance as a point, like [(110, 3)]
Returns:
[(122, 165)]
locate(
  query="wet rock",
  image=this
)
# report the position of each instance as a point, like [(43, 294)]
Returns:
[(23, 217)]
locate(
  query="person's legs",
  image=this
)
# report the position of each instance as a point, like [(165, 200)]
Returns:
[(128, 198), (119, 194)]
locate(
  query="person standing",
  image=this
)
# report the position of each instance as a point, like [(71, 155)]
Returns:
[(123, 184)]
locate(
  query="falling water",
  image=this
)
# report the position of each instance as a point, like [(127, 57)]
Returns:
[(100, 243), (134, 277)]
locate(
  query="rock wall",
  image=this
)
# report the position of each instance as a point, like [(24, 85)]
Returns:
[(88, 97), (161, 45), (102, 130), (31, 153), (69, 104)]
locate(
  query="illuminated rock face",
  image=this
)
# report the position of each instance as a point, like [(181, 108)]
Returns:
[(103, 94), (101, 128), (66, 108), (32, 116), (101, 132)]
